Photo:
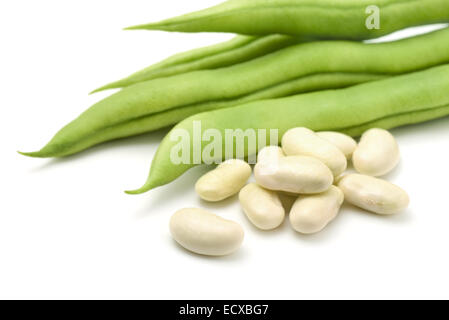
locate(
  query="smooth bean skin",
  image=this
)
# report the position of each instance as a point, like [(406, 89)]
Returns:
[(325, 18), (303, 141), (262, 207), (377, 153), (205, 233), (373, 194), (237, 50), (153, 104), (269, 157), (345, 143), (423, 97), (270, 154), (223, 182), (295, 174), (311, 214)]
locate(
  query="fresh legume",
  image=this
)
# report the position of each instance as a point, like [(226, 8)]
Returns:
[(373, 194), (423, 96), (153, 104), (270, 155), (324, 18), (239, 49), (345, 143), (311, 214), (295, 174), (377, 153), (223, 182), (302, 141), (262, 207), (205, 233)]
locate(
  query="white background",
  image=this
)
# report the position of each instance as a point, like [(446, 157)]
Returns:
[(67, 230)]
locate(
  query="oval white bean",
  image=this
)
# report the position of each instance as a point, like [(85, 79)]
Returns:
[(223, 182), (305, 142), (296, 174), (205, 233), (345, 143), (270, 154), (262, 207), (311, 214), (373, 194), (377, 153)]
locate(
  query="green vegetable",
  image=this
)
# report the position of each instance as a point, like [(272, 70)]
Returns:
[(389, 103), (323, 18), (134, 110), (239, 49)]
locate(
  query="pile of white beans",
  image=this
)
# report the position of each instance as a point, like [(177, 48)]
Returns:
[(310, 166)]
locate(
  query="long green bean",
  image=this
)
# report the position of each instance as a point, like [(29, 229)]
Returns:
[(285, 71), (319, 18), (237, 50), (389, 103)]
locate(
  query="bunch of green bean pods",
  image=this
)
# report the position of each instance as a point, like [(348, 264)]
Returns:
[(150, 105), (237, 50), (388, 103), (324, 18)]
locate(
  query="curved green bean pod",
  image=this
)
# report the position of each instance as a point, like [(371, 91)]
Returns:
[(319, 18), (237, 50), (121, 114), (389, 103), (167, 118)]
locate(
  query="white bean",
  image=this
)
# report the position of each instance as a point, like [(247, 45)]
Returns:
[(205, 233), (311, 214), (305, 142), (373, 194), (345, 143), (377, 153), (223, 182), (262, 207), (270, 154), (296, 174)]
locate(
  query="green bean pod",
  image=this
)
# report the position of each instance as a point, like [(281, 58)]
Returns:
[(388, 103), (237, 50), (285, 72), (348, 19)]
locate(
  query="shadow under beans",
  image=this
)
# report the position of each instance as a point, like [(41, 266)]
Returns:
[(394, 174), (332, 230), (279, 231), (399, 218), (169, 192), (428, 128), (219, 204), (328, 234)]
